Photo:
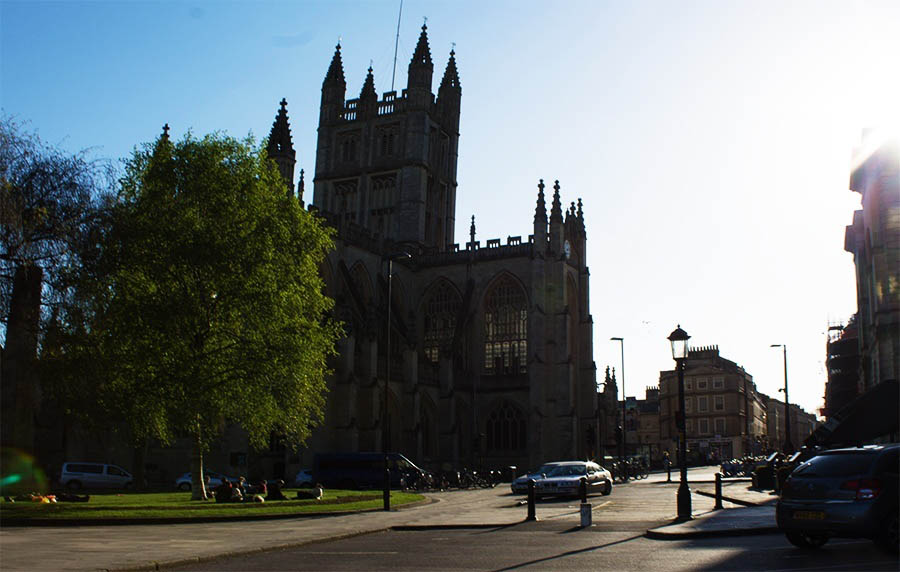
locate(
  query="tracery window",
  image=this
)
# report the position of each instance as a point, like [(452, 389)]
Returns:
[(505, 329), (441, 310), (507, 429)]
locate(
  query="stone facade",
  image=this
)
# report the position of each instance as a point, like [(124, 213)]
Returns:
[(874, 240), (725, 417)]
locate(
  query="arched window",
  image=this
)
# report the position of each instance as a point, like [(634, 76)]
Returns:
[(505, 328), (441, 309), (507, 429)]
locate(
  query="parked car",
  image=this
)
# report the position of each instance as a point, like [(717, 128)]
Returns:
[(75, 476), (565, 479), (304, 479), (849, 493), (519, 485), (184, 482)]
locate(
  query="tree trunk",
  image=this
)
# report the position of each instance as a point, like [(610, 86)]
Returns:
[(138, 467), (198, 486), (19, 391)]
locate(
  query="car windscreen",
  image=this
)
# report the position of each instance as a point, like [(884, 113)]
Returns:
[(567, 471), (836, 465)]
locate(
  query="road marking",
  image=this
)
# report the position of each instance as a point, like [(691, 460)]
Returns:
[(355, 553)]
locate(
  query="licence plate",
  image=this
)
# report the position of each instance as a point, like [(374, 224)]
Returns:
[(809, 515)]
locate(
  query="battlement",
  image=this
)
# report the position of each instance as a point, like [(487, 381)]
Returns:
[(387, 105), (704, 351)]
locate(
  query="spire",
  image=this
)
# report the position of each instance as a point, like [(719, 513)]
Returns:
[(300, 188), (335, 74), (422, 54), (165, 133), (472, 232), (368, 88), (451, 75), (580, 211), (421, 68), (556, 209), (281, 148), (540, 211)]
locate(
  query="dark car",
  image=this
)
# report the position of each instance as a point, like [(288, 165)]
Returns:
[(850, 493)]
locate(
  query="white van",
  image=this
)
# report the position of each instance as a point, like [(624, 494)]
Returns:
[(76, 476)]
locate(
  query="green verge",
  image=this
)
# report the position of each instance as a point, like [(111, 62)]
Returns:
[(178, 506)]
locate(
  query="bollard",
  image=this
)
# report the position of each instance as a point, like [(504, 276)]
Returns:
[(669, 473), (386, 493), (531, 515), (718, 492), (582, 490), (585, 515)]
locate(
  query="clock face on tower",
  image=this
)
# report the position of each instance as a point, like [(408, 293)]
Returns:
[(568, 249)]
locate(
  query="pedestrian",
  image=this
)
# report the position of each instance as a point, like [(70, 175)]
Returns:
[(275, 491)]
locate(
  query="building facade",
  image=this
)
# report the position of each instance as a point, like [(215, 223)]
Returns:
[(471, 352), (725, 416), (874, 240)]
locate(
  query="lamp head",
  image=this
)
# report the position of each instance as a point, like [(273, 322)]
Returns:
[(679, 340)]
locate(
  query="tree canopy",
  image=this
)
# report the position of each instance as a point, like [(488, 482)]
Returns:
[(206, 304)]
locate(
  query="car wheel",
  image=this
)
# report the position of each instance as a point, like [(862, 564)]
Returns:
[(184, 487), (607, 489), (888, 540), (74, 485), (806, 539)]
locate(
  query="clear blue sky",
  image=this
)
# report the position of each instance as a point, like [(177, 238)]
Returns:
[(710, 141)]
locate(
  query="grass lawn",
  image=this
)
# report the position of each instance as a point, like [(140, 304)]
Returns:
[(178, 505)]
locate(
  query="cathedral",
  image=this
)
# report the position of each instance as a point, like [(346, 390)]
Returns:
[(456, 352)]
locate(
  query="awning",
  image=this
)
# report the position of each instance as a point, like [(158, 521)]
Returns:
[(874, 414)]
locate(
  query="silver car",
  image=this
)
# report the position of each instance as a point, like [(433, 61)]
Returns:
[(565, 479)]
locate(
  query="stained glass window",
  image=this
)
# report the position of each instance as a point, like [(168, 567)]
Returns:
[(440, 320), (505, 329)]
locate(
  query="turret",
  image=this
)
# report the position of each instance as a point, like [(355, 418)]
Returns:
[(450, 94), (421, 69), (334, 90), (281, 148), (540, 221)]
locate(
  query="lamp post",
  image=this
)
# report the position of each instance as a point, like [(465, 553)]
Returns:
[(385, 425), (622, 444), (788, 445), (679, 340)]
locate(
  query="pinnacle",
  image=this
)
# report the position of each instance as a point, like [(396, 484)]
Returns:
[(368, 88), (335, 72), (451, 75)]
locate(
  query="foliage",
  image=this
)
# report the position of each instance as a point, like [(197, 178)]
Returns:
[(47, 207), (203, 303)]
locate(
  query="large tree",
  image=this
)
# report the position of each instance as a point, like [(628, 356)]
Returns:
[(206, 301), (48, 206)]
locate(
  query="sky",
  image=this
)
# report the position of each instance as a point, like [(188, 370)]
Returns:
[(710, 141)]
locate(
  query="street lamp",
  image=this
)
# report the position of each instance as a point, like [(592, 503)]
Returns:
[(679, 340), (385, 425), (622, 444), (788, 445)]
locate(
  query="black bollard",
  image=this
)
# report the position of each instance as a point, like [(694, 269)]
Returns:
[(669, 473), (531, 515), (718, 491), (582, 489), (386, 494)]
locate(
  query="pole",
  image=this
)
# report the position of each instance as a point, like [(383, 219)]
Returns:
[(788, 445), (396, 44), (622, 444), (385, 429), (684, 492)]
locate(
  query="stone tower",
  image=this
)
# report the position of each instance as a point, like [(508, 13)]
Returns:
[(389, 165)]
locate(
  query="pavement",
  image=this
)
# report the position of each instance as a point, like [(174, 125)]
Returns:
[(153, 547)]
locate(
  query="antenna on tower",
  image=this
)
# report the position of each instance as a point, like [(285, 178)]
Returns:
[(396, 43)]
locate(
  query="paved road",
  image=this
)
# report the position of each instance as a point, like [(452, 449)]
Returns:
[(544, 546)]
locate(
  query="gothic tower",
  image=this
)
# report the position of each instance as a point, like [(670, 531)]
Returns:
[(389, 165), (281, 148)]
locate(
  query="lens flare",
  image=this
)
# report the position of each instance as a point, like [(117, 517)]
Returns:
[(20, 474)]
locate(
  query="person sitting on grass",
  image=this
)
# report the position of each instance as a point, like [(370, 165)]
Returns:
[(223, 492), (275, 491), (236, 494)]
